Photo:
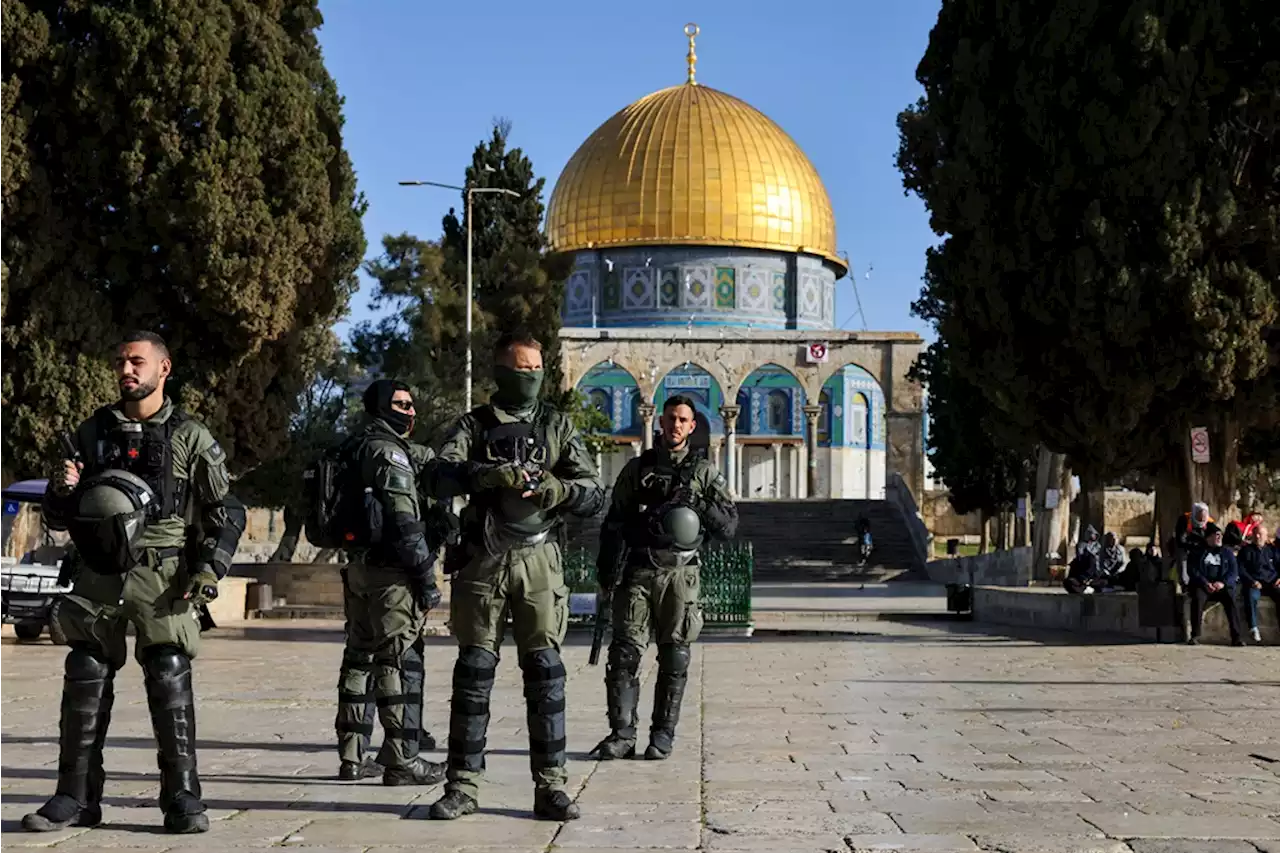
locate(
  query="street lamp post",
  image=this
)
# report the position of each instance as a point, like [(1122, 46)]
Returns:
[(469, 190)]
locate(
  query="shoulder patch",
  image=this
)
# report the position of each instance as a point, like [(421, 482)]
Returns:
[(400, 459), (215, 453)]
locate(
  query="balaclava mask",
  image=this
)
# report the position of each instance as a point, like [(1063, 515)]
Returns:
[(377, 402)]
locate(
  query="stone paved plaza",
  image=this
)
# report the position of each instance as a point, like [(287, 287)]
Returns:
[(927, 737)]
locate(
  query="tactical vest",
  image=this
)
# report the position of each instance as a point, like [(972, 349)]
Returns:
[(659, 480), (508, 521), (146, 451)]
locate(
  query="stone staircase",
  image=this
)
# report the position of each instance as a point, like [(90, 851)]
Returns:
[(813, 540)]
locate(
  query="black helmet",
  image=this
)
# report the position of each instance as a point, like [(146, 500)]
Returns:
[(112, 509), (683, 527)]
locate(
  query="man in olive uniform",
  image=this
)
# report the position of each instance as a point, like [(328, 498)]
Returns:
[(390, 587), (525, 466), (357, 710), (157, 583), (651, 513)]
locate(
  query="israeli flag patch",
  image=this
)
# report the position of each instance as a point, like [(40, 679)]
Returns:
[(400, 459)]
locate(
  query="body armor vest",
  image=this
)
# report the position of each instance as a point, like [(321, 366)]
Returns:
[(659, 478), (509, 520), (146, 451)]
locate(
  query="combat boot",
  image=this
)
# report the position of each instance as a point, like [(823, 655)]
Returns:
[(418, 771), (622, 695), (453, 805), (350, 771), (554, 804), (673, 675), (87, 697), (167, 673)]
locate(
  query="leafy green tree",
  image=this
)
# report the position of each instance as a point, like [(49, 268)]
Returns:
[(982, 473), (514, 281), (1105, 177), (177, 167), (327, 411), (420, 339)]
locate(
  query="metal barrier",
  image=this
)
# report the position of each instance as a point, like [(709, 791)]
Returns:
[(726, 576)]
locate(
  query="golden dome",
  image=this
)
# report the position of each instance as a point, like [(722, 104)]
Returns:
[(690, 165)]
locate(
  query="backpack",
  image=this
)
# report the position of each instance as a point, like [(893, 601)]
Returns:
[(341, 511)]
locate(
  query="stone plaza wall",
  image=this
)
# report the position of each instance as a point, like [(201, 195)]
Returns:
[(998, 568)]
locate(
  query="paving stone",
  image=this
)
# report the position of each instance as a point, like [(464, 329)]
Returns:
[(614, 831), (1135, 825), (1183, 845), (904, 843), (1036, 843)]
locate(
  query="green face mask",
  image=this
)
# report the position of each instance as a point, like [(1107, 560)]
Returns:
[(517, 389)]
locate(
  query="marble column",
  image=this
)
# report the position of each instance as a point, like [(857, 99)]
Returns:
[(637, 447), (777, 469), (715, 454), (811, 445), (646, 420), (730, 416)]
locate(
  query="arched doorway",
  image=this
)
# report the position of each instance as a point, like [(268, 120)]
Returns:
[(770, 434), (614, 391), (851, 461)]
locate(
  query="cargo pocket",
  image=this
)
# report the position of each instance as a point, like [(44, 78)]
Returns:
[(691, 624), (561, 614), (471, 613)]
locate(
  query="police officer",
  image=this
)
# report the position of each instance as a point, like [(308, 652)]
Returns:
[(141, 568), (390, 587), (356, 707), (665, 502), (525, 466)]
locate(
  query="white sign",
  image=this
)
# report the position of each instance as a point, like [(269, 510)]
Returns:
[(1021, 511), (816, 353), (582, 604), (1050, 498), (1199, 445)]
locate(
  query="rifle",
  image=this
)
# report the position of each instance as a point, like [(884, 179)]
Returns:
[(604, 606)]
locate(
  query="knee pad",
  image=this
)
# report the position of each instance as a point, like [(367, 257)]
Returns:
[(164, 662), (476, 667), (542, 665), (674, 658), (84, 664), (624, 657)]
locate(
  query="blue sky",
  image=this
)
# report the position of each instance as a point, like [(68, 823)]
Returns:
[(423, 82)]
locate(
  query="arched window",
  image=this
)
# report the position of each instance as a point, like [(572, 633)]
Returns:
[(601, 400), (743, 427), (778, 412), (824, 418)]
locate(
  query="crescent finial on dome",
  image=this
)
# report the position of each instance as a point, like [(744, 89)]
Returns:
[(691, 30)]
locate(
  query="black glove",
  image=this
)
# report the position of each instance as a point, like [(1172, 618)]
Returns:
[(425, 592)]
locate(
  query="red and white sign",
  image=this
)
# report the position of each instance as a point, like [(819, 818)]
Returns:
[(1199, 445), (816, 353)]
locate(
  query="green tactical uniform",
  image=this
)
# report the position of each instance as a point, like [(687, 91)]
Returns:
[(508, 562), (187, 471), (658, 594), (356, 707), (385, 615)]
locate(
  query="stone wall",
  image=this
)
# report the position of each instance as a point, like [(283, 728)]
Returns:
[(998, 568), (943, 521)]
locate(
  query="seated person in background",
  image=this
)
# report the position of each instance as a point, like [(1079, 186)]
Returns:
[(1188, 538), (1089, 542), (1112, 568), (1259, 575), (1212, 575), (1083, 576)]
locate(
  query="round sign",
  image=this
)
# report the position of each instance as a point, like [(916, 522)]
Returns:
[(1200, 442), (818, 350)]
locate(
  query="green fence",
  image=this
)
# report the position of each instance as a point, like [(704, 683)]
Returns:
[(726, 581)]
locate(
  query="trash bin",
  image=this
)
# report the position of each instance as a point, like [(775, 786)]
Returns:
[(959, 597)]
